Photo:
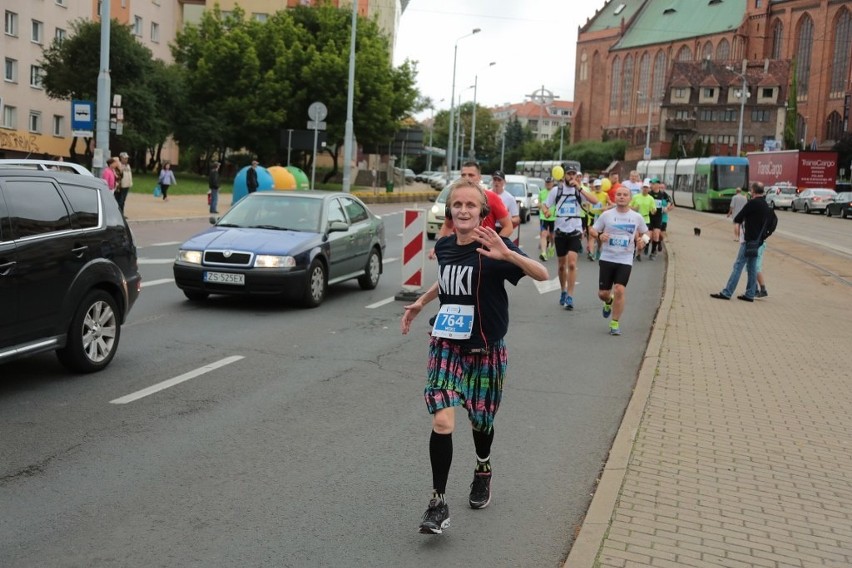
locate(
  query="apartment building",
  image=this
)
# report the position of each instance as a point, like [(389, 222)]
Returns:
[(544, 120)]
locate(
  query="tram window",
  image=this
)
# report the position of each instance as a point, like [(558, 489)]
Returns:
[(701, 184)]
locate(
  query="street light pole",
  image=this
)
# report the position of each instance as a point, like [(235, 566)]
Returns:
[(350, 98), (743, 95), (472, 154), (450, 160)]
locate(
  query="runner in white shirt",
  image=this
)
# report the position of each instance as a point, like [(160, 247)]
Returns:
[(620, 231), (634, 183)]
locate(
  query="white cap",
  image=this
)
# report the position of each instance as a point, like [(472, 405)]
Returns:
[(647, 182), (597, 183)]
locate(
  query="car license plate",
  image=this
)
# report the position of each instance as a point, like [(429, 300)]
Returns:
[(225, 278)]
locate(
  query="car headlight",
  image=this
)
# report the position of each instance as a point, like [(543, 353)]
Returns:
[(436, 209), (190, 256), (272, 261)]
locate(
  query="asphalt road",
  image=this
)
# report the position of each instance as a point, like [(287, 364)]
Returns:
[(294, 437)]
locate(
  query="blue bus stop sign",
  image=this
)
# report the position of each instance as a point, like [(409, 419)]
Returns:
[(82, 118)]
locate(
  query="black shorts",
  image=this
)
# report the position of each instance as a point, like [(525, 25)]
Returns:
[(568, 242), (544, 225), (656, 223), (612, 273), (663, 225)]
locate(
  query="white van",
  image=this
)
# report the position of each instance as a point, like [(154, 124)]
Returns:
[(522, 190)]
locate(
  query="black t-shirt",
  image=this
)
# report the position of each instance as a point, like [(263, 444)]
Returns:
[(662, 200), (468, 278)]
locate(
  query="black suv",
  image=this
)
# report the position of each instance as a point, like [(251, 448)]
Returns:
[(68, 268)]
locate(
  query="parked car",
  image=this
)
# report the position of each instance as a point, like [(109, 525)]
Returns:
[(435, 215), (291, 245), (45, 165), (537, 185), (423, 176), (813, 200), (522, 191), (780, 196), (486, 180), (68, 268), (842, 205)]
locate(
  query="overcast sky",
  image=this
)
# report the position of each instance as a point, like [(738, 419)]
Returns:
[(533, 43)]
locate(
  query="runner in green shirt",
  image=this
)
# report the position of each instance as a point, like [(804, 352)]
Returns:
[(645, 205), (546, 219)]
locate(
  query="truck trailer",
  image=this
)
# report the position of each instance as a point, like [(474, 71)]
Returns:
[(802, 169)]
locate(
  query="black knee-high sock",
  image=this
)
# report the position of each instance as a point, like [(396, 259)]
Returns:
[(441, 456), (482, 443)]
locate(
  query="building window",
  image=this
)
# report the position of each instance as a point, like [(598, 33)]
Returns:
[(729, 115), (760, 115), (584, 66), (707, 51), (842, 47), (259, 16), (35, 76), (627, 86), (10, 117), (58, 125), (709, 93), (155, 32), (38, 31), (60, 35), (659, 76), (767, 93), (35, 122), (614, 95), (682, 115), (805, 39), (644, 78), (777, 39), (723, 50), (137, 26), (684, 54), (833, 126), (10, 70), (11, 23), (680, 93)]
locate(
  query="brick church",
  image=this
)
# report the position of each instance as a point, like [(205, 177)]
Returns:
[(663, 72)]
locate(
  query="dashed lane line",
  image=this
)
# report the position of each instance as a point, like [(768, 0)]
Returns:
[(176, 380)]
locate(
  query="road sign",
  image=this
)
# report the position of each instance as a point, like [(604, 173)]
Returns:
[(82, 118), (317, 111), (647, 154), (316, 125)]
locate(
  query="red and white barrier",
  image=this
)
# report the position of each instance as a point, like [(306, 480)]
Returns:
[(413, 252)]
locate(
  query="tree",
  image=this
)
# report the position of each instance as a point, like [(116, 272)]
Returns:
[(147, 87)]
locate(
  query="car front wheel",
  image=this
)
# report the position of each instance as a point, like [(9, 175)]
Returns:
[(316, 285), (807, 209), (370, 279), (93, 335)]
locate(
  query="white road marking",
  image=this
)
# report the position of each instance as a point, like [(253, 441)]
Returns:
[(176, 380), (157, 282), (547, 285), (156, 260), (166, 244), (389, 260), (381, 303)]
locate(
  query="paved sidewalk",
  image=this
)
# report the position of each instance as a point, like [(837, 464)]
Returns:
[(736, 448)]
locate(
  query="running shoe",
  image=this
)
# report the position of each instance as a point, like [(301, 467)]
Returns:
[(607, 309), (551, 251), (639, 257), (762, 294), (569, 302), (653, 256), (563, 298), (591, 257), (480, 491), (436, 518), (614, 328), (542, 257)]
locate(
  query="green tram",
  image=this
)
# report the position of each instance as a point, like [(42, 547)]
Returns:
[(705, 184)]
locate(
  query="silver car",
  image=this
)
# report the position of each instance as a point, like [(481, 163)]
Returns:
[(814, 199), (780, 196), (522, 191), (45, 166)]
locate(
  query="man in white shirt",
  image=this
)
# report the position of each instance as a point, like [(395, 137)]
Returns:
[(498, 186)]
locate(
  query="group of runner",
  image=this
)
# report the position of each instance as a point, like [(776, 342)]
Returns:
[(618, 224)]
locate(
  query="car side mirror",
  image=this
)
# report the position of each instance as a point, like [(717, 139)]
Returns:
[(433, 198), (338, 226)]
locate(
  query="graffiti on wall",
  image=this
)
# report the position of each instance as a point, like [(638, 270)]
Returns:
[(19, 142)]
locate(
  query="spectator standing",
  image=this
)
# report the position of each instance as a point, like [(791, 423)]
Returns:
[(251, 177), (213, 184), (738, 201), (108, 175), (126, 182), (755, 217), (166, 179)]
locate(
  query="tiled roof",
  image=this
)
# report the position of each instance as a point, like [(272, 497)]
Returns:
[(662, 21), (613, 14), (771, 73)]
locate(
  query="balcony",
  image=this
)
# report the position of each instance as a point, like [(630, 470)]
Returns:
[(680, 124)]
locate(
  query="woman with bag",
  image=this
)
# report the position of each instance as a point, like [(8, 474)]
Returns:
[(166, 179)]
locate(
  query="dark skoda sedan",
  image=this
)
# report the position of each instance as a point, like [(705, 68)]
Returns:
[(285, 244)]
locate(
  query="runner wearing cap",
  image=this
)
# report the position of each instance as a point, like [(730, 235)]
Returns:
[(662, 201), (498, 186), (546, 217), (566, 199)]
